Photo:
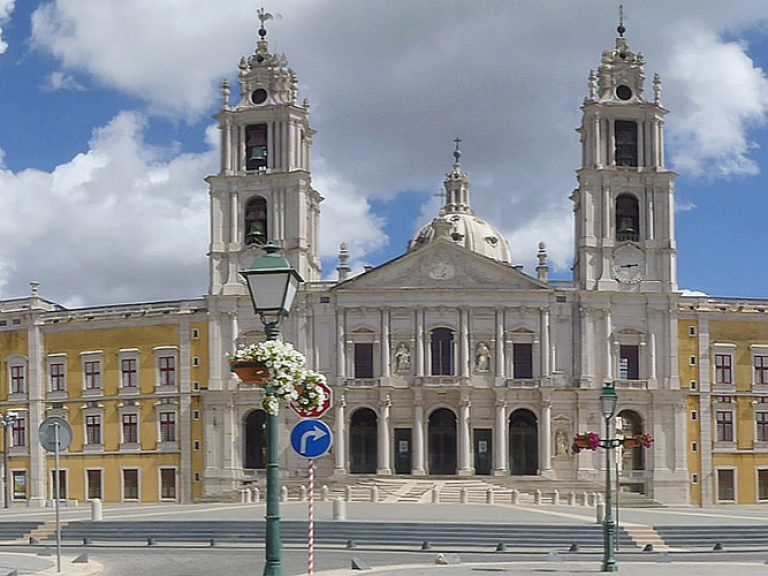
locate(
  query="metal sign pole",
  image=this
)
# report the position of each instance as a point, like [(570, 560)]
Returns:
[(311, 523), (57, 483)]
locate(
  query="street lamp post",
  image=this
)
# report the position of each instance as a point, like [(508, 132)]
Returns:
[(272, 284), (608, 401), (6, 421)]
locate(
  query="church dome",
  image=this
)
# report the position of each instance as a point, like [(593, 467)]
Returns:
[(457, 222)]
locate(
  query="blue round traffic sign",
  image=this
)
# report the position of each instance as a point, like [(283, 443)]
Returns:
[(311, 438)]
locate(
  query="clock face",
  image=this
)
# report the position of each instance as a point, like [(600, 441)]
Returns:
[(628, 264)]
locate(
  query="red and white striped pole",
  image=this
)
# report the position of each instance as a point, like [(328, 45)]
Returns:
[(311, 523)]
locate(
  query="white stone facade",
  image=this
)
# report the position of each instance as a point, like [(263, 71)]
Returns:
[(449, 360)]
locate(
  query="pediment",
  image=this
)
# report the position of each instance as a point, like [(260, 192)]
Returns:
[(443, 265)]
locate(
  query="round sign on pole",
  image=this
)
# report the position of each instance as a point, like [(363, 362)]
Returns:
[(311, 438), (316, 412), (47, 433)]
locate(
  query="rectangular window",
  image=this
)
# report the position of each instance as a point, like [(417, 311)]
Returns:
[(18, 384), (522, 360), (92, 369), (625, 132), (442, 352), (762, 484), (761, 369), (19, 485), (167, 483), (256, 147), (62, 484), (93, 429), (167, 370), (56, 373), (130, 428), (93, 478), (726, 490), (129, 372), (761, 419), (629, 362), (130, 484), (724, 422), (363, 360), (167, 426), (19, 432), (723, 372)]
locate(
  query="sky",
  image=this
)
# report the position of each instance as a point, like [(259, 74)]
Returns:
[(106, 129)]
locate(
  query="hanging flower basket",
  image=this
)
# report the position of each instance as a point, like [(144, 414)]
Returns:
[(585, 441), (631, 442), (251, 372), (281, 367)]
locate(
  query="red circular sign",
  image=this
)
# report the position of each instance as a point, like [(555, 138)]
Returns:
[(316, 412)]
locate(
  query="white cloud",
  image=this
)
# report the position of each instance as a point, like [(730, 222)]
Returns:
[(61, 81), (682, 206), (6, 9), (722, 96), (555, 229), (120, 220)]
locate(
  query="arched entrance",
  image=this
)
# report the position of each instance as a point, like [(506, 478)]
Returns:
[(523, 443), (255, 456), (363, 442), (442, 442), (631, 424)]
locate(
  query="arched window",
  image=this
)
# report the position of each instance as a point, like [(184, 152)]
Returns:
[(256, 147), (627, 218), (626, 143), (256, 221), (442, 352)]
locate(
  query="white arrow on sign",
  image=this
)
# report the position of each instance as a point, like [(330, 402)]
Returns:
[(316, 433)]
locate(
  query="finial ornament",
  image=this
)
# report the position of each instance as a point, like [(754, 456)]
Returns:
[(621, 28), (263, 17), (457, 152)]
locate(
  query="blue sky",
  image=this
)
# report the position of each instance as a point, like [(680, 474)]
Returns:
[(107, 129)]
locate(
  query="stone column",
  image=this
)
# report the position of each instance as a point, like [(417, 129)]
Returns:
[(465, 467), (500, 372), (465, 356), (652, 358), (339, 442), (385, 354), (545, 440), (417, 463), (341, 347), (544, 329), (384, 425), (501, 464), (419, 352)]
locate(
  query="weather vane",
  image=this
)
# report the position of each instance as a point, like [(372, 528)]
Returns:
[(457, 152), (263, 16), (621, 28)]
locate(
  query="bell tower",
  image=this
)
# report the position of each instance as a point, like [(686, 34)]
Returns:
[(624, 205), (263, 191)]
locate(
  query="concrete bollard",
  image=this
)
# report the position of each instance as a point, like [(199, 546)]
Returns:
[(595, 498), (599, 512), (247, 496), (324, 493), (255, 495), (348, 493), (374, 493), (284, 494), (302, 493), (489, 496), (537, 497), (435, 495), (339, 509), (96, 510), (585, 500), (555, 498), (464, 496), (515, 496), (243, 498), (571, 498)]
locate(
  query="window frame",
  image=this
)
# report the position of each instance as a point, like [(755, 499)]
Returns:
[(175, 473), (19, 432), (57, 382), (735, 484), (162, 354), (726, 425), (123, 484), (442, 352), (92, 365)]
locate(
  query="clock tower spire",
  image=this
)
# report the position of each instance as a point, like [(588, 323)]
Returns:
[(624, 205)]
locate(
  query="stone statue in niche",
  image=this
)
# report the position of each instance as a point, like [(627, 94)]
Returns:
[(482, 358), (402, 358), (561, 443)]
